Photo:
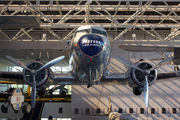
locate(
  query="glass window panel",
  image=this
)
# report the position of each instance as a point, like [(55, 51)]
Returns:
[(130, 110), (81, 32), (76, 111), (152, 111), (120, 110), (141, 110), (163, 111), (174, 110), (104, 33), (96, 31)]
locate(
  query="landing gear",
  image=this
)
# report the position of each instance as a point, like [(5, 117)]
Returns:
[(89, 85), (137, 90), (89, 82)]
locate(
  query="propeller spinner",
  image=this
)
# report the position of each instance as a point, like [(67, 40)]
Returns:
[(145, 72)]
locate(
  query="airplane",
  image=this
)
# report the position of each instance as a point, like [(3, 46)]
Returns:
[(90, 53)]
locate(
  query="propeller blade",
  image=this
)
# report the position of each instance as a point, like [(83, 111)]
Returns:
[(51, 63), (33, 92), (146, 92), (128, 63), (162, 63), (17, 62)]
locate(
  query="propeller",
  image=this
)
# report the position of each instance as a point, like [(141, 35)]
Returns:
[(146, 74), (162, 63), (34, 73), (51, 63), (33, 92), (128, 63), (146, 92), (17, 62)]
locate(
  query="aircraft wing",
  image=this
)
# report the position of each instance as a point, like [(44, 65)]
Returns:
[(148, 47), (113, 78), (12, 76), (116, 78), (122, 79), (168, 76), (59, 78), (65, 78)]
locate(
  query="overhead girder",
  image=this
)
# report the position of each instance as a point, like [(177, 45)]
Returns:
[(124, 16), (163, 8)]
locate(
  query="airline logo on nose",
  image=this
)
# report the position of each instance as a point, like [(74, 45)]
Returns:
[(90, 43)]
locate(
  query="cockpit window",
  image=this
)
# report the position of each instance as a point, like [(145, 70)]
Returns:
[(81, 32), (104, 33), (99, 32), (96, 31)]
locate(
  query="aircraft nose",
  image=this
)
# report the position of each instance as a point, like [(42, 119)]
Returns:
[(91, 44)]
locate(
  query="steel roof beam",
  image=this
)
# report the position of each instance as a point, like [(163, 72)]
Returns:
[(115, 21), (59, 8), (110, 0), (4, 9), (18, 36), (61, 21), (55, 7), (126, 30), (165, 15), (174, 33), (87, 11), (104, 16), (71, 33), (53, 33), (70, 16), (141, 10), (39, 12), (107, 25), (152, 29), (117, 17), (5, 35)]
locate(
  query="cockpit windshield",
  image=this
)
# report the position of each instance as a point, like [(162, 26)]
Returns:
[(82, 32), (99, 32)]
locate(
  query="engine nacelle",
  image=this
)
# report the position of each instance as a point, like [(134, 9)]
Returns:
[(41, 77), (138, 76)]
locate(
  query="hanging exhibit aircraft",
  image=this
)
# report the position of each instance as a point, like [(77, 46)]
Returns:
[(90, 52)]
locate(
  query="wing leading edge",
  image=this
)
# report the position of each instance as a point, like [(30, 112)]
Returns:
[(12, 76), (113, 78), (67, 78)]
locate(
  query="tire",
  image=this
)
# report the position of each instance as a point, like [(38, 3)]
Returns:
[(137, 91)]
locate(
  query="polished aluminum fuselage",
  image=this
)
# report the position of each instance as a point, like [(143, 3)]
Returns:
[(89, 67)]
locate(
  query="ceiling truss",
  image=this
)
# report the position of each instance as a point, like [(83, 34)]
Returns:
[(121, 16)]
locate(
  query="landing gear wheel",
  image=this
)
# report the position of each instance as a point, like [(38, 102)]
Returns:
[(137, 90), (89, 85)]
